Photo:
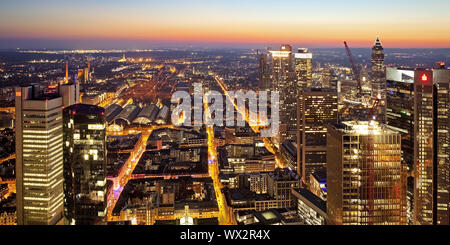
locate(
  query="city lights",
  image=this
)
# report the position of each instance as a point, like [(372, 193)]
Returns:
[(224, 121)]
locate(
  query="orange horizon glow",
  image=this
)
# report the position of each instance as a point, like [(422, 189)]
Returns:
[(255, 22)]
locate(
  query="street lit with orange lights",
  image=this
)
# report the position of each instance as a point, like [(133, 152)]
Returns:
[(213, 167), (135, 156), (133, 160), (268, 142), (12, 156)]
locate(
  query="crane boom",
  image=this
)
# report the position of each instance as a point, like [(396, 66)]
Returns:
[(354, 69)]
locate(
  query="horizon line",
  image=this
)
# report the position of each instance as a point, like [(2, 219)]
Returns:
[(121, 43)]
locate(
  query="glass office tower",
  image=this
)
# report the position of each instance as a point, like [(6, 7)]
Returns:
[(85, 165), (418, 108)]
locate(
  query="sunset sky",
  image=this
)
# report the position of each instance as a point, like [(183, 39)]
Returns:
[(398, 23)]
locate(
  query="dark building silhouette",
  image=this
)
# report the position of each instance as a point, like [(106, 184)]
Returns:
[(84, 131)]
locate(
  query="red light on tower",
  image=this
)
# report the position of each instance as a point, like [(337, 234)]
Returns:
[(424, 78)]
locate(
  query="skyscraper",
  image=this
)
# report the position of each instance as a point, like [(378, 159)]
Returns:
[(325, 78), (85, 164), (317, 108), (66, 79), (39, 153), (284, 82), (423, 147), (441, 111), (378, 71), (264, 73), (303, 68), (400, 109), (418, 107), (365, 181)]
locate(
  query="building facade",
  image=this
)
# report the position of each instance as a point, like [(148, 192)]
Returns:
[(311, 209), (378, 71), (264, 82), (442, 149), (303, 68), (418, 108), (85, 165), (366, 184), (39, 153), (283, 81), (317, 108), (281, 183)]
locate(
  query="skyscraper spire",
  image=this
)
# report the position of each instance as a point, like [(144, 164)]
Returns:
[(377, 42)]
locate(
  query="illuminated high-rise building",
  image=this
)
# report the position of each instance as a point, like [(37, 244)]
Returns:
[(39, 153), (418, 108), (303, 68), (86, 75), (400, 109), (67, 72), (423, 147), (317, 108), (400, 118), (378, 72), (366, 184), (283, 81), (441, 183), (84, 133), (264, 73), (325, 78)]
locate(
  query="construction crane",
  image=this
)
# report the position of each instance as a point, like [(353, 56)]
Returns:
[(372, 110), (370, 160), (355, 71)]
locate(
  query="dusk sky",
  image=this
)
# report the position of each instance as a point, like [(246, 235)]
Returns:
[(83, 23)]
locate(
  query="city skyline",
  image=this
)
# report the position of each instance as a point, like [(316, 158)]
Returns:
[(137, 24), (218, 113)]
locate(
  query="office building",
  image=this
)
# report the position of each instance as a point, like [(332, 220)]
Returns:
[(441, 147), (84, 133), (310, 208), (418, 108), (325, 78), (264, 82), (39, 153), (288, 152), (303, 68), (284, 82), (400, 109), (366, 184), (378, 71), (317, 108), (280, 185)]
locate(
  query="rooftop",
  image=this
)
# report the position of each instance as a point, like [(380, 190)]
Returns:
[(86, 109), (284, 174), (363, 128), (315, 200)]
